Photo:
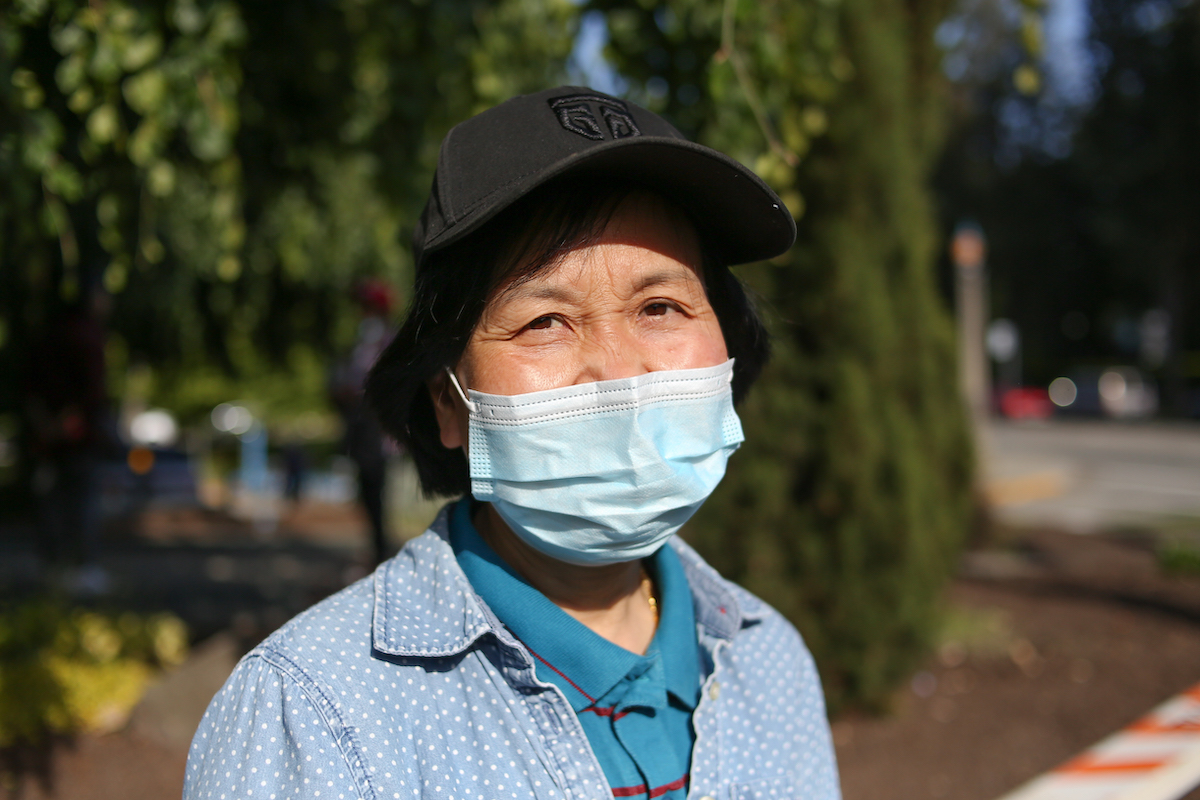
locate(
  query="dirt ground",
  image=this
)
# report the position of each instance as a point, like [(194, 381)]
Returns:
[(1055, 641), (1081, 636), (1079, 665)]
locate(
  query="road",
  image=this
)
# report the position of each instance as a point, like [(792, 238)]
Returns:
[(1087, 476)]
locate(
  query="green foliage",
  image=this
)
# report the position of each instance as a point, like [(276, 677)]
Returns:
[(847, 505), (1000, 39), (68, 670), (230, 170), (1179, 558)]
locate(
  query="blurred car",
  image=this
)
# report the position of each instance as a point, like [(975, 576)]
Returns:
[(146, 476), (1026, 402), (1119, 392)]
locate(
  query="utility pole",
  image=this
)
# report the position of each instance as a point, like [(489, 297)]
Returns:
[(968, 250)]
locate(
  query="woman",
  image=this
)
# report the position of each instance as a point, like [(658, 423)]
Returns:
[(569, 366)]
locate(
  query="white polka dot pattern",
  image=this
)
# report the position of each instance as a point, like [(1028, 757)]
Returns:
[(404, 685)]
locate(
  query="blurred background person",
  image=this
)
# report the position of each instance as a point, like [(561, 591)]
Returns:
[(70, 429), (295, 470), (363, 439)]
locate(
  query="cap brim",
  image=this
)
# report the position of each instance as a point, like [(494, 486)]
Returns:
[(735, 211)]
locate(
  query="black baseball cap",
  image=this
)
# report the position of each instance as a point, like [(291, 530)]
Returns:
[(500, 155)]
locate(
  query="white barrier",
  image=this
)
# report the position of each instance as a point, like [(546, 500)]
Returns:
[(1155, 758)]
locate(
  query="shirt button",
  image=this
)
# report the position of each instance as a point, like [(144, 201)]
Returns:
[(714, 692), (708, 797)]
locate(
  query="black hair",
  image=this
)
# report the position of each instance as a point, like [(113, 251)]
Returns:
[(453, 286)]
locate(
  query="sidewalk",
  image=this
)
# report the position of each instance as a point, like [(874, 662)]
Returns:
[(214, 571), (232, 583), (1090, 475)]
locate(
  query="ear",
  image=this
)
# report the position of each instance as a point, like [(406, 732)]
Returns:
[(450, 411)]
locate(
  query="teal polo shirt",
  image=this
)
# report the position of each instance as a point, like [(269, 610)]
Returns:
[(635, 710)]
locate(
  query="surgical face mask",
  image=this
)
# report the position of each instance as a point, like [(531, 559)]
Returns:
[(603, 472)]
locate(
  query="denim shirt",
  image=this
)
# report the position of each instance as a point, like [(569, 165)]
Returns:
[(405, 685), (636, 710)]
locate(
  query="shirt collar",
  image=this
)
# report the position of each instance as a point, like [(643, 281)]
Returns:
[(585, 662), (425, 607), (588, 663), (424, 604), (721, 608)]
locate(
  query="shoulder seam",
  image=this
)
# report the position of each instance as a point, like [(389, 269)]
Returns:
[(343, 736)]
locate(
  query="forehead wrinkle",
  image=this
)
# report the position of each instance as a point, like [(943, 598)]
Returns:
[(665, 275), (546, 283), (544, 287), (536, 288), (658, 273), (562, 279)]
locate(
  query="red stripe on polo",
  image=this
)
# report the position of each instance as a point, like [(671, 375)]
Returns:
[(558, 672), (657, 791)]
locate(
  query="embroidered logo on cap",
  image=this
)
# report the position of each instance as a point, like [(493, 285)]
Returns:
[(575, 114)]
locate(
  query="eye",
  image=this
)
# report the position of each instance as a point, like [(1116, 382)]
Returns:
[(541, 323), (657, 309)]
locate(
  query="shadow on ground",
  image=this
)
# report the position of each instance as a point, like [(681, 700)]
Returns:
[(231, 581)]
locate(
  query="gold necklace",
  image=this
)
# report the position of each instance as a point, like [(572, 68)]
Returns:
[(648, 586)]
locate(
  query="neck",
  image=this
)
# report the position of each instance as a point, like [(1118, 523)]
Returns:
[(611, 600)]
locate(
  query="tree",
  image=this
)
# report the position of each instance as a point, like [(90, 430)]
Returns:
[(850, 499), (1135, 154), (1087, 238), (229, 170)]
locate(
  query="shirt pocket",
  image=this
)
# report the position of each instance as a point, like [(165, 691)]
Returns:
[(784, 788)]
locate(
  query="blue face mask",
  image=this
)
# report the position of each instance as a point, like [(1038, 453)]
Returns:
[(604, 472)]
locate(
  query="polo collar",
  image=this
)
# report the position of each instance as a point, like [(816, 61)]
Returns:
[(425, 607), (587, 665), (675, 638)]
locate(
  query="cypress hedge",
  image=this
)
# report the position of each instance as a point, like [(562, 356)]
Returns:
[(850, 500)]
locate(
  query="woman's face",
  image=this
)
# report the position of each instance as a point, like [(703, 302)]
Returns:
[(632, 303)]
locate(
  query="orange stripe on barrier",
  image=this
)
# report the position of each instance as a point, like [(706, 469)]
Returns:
[(1150, 725), (1090, 765), (1136, 763)]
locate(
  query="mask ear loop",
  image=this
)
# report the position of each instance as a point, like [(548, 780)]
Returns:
[(454, 380)]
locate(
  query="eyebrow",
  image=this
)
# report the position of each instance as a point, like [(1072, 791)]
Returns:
[(541, 290), (533, 290)]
